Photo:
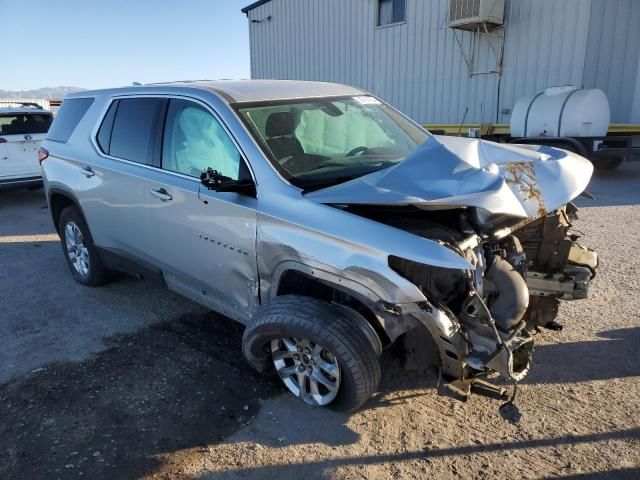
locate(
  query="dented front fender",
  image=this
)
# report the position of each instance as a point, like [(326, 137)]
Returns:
[(341, 248)]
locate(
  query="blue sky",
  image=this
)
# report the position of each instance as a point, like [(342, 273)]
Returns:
[(104, 43)]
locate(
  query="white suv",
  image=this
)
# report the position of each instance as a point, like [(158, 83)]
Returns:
[(23, 126)]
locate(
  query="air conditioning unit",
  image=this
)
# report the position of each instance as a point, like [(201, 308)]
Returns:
[(474, 14)]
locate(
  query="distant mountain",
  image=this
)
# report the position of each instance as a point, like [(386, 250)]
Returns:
[(49, 93)]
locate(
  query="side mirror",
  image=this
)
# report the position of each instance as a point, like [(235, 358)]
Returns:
[(213, 180)]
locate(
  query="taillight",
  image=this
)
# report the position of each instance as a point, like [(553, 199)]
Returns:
[(43, 153), (3, 140)]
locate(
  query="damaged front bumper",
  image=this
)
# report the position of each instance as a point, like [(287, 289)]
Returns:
[(470, 345), (465, 350)]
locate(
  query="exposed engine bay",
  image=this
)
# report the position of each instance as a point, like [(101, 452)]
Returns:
[(500, 252), (519, 279)]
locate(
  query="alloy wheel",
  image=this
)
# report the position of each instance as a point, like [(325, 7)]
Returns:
[(76, 248), (309, 371)]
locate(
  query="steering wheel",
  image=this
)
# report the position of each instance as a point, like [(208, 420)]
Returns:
[(357, 150)]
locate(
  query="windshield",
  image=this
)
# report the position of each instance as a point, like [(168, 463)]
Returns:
[(22, 123), (322, 142)]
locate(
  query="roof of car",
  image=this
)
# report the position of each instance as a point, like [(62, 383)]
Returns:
[(247, 90), (6, 110)]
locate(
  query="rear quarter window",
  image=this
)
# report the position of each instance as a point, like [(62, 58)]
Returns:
[(70, 113), (104, 132)]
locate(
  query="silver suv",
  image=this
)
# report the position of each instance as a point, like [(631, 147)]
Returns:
[(327, 222)]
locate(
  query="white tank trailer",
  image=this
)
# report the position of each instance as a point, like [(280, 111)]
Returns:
[(571, 118)]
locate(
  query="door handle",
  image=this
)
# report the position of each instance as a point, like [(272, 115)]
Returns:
[(87, 171), (162, 194)]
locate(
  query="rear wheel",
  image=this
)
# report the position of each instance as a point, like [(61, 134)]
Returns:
[(324, 354), (79, 251)]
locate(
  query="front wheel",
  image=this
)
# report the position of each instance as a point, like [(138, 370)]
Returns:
[(324, 354)]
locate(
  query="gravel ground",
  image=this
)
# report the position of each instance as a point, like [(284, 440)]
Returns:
[(131, 381)]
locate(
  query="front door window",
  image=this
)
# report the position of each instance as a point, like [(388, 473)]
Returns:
[(194, 140)]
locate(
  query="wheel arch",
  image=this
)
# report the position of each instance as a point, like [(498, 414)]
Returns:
[(60, 199), (295, 281)]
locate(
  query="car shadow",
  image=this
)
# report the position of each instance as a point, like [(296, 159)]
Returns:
[(166, 389), (184, 384), (583, 361), (172, 386)]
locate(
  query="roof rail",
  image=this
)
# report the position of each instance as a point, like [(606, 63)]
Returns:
[(176, 81)]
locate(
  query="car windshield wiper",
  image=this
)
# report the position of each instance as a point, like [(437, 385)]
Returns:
[(362, 161), (319, 185)]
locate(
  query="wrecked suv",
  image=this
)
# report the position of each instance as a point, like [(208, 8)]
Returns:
[(327, 222)]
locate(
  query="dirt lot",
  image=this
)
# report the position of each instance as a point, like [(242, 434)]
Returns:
[(131, 381)]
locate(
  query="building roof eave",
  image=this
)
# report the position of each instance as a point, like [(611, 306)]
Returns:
[(248, 8)]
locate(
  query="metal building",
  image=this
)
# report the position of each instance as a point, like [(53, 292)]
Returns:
[(405, 52)]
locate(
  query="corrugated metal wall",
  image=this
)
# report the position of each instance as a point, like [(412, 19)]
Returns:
[(419, 67), (612, 56), (545, 46)]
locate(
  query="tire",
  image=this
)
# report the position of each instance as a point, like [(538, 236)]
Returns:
[(95, 274), (340, 332), (607, 163)]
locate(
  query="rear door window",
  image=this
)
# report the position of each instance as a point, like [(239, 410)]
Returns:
[(67, 119), (134, 129), (24, 123)]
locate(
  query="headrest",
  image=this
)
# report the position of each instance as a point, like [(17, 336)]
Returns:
[(280, 124)]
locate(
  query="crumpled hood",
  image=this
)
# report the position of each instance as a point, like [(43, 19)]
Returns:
[(446, 172)]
